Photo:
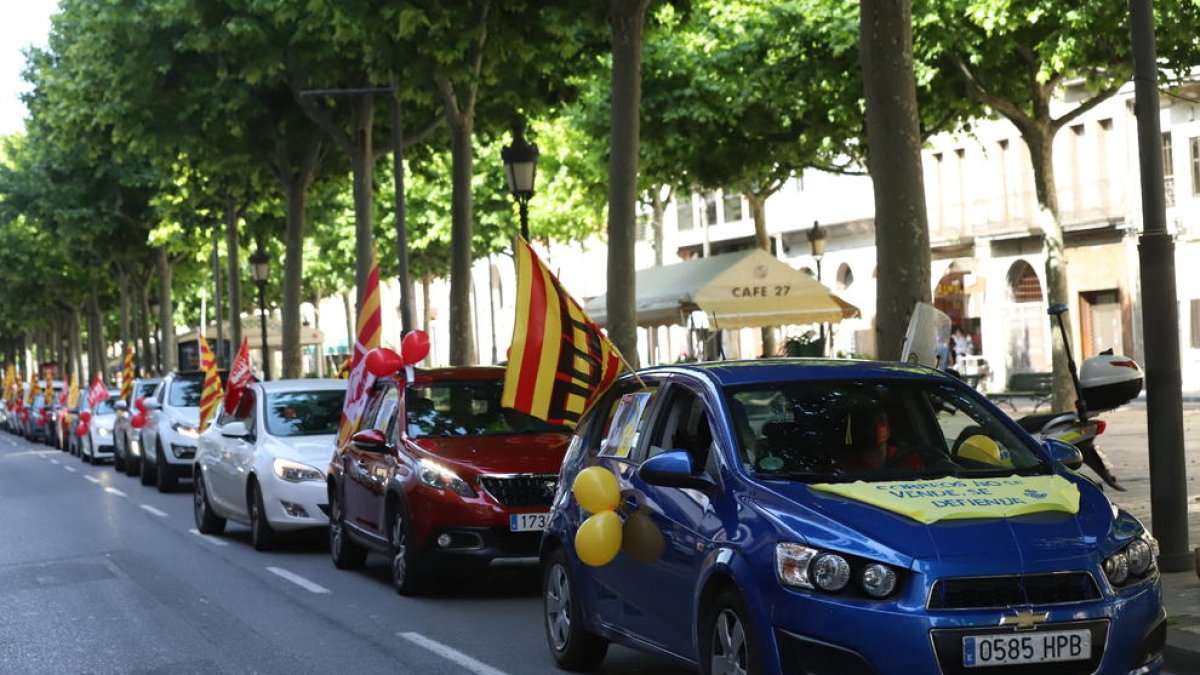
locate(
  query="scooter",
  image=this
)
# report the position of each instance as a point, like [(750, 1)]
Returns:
[(1106, 382)]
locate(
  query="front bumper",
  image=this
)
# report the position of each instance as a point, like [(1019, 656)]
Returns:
[(478, 529), (295, 506), (821, 633), (177, 449)]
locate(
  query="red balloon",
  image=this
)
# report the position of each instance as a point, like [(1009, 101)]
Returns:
[(382, 362), (85, 416), (138, 420), (140, 404), (82, 430), (414, 347)]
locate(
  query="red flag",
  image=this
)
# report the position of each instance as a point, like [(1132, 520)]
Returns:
[(240, 377), (560, 361), (370, 321), (97, 392)]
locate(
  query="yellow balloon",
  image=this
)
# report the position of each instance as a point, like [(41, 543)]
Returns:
[(596, 490), (599, 539)]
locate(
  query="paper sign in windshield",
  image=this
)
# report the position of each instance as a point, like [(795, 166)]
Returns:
[(929, 501)]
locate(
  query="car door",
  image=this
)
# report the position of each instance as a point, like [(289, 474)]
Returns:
[(239, 452), (227, 482), (659, 594), (362, 485), (209, 459)]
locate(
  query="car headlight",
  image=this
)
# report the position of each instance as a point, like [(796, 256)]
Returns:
[(791, 564), (437, 476), (1116, 568), (877, 580), (830, 572), (1132, 563), (295, 472), (800, 566), (185, 430), (103, 432)]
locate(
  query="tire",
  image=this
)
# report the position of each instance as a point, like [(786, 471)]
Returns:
[(118, 458), (85, 453), (133, 465), (207, 522), (729, 643), (573, 647), (408, 568), (168, 481), (262, 535), (148, 476), (346, 554)]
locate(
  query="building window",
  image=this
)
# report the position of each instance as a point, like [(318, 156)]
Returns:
[(683, 214), (710, 209), (1023, 283), (732, 204), (1195, 324), (1195, 143), (1168, 169), (845, 277)]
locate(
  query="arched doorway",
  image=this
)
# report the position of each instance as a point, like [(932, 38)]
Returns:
[(1026, 319)]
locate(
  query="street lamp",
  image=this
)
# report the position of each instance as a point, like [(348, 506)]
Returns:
[(816, 246), (259, 266), (520, 168)]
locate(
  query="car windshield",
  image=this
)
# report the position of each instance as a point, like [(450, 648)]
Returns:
[(185, 393), (145, 389), (466, 408), (304, 413), (105, 407), (873, 430)]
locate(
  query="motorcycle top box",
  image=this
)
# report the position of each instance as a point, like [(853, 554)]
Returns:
[(1109, 381)]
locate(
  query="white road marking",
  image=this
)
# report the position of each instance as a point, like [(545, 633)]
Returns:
[(92, 478), (54, 461), (212, 540), (451, 654), (298, 580), (114, 491), (151, 509), (69, 468)]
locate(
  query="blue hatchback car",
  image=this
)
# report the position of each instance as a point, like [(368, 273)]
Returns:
[(813, 516)]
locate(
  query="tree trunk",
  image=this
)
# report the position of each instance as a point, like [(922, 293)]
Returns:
[(95, 337), (626, 18), (1040, 141), (402, 268), (462, 328), (351, 335), (234, 273), (894, 145), (124, 286), (148, 361), (758, 212), (362, 160), (293, 268), (166, 312), (76, 346), (658, 205)]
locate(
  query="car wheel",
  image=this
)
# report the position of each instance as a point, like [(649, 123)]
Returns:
[(118, 458), (148, 475), (262, 535), (207, 522), (573, 647), (132, 464), (408, 573), (167, 480), (730, 645), (346, 554), (85, 450)]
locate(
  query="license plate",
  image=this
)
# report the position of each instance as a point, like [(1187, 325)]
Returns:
[(1014, 648), (527, 522)]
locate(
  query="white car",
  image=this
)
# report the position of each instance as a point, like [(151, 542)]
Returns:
[(97, 443), (172, 430), (264, 465)]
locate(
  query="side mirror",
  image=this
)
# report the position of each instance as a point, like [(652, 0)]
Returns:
[(1064, 453), (152, 404), (235, 430), (370, 440), (674, 469)]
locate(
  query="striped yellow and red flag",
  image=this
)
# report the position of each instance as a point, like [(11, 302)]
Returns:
[(560, 362), (127, 376), (370, 326), (35, 388), (210, 392)]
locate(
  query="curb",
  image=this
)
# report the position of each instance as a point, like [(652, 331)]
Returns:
[(1182, 651)]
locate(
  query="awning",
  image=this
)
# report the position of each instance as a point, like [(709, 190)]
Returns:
[(750, 288)]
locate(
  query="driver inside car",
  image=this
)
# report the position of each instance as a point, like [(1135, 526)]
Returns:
[(868, 445)]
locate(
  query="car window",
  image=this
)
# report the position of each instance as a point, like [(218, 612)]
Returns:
[(185, 393), (872, 430), (371, 418), (626, 420), (145, 389), (466, 408), (304, 413), (105, 407), (683, 424)]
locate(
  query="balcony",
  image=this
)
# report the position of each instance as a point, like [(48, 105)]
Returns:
[(1016, 212)]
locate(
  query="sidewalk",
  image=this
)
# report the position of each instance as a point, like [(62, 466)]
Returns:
[(1125, 444)]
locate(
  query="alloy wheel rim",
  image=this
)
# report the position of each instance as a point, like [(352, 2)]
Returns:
[(728, 645), (399, 551), (558, 607)]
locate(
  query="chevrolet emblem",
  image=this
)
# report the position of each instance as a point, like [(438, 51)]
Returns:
[(1024, 620)]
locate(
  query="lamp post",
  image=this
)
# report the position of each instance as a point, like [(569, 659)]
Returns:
[(259, 266), (520, 168), (816, 246)]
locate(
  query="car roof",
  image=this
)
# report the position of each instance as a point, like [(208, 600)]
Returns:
[(302, 384), (757, 371)]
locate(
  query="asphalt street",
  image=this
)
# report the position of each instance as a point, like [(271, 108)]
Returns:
[(99, 574)]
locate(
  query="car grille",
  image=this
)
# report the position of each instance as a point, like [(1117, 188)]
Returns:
[(947, 644), (523, 490), (1005, 591)]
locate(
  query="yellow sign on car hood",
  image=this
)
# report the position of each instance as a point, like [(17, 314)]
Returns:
[(929, 501)]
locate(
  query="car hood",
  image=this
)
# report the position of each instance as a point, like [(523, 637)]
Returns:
[(103, 421), (1036, 541), (183, 415), (501, 453), (312, 450)]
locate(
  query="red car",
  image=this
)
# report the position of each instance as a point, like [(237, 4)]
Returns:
[(439, 476)]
